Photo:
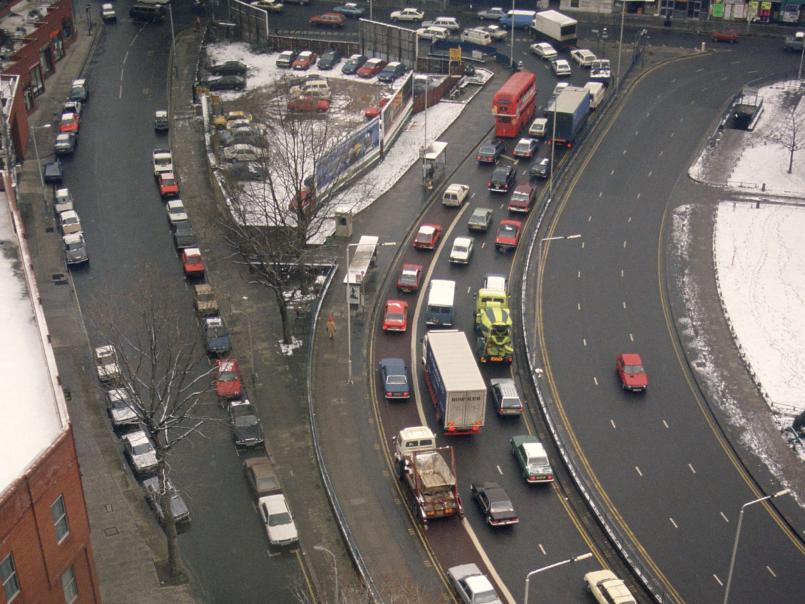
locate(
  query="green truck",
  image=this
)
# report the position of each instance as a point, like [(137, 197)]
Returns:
[(493, 327)]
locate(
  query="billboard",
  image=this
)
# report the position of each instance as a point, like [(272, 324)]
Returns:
[(346, 156)]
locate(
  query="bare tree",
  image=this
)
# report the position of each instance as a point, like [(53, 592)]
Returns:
[(272, 221), (789, 131), (164, 375)]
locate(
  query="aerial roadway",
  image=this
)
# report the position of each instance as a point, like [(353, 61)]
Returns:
[(658, 458)]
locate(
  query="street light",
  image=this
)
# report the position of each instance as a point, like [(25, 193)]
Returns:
[(512, 50), (557, 238), (321, 548), (575, 559), (800, 35), (235, 311), (173, 36), (738, 536), (38, 164)]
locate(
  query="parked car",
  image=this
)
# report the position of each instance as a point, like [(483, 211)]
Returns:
[(427, 237), (162, 161), (606, 588), (495, 503), (353, 64), (271, 6), (525, 147), (502, 179), (106, 366), (228, 68), (229, 82), (52, 172), (407, 14), (328, 20), (729, 36), (395, 316), (277, 519), (204, 301), (304, 60), (161, 122), (79, 90), (261, 476), (168, 185), (371, 68), (120, 408), (62, 201), (410, 278), (523, 198), (183, 235), (480, 219), (329, 59), (451, 24), (391, 72), (140, 452), (192, 263), (472, 585), (75, 249), (395, 379), (176, 212), (178, 508), (246, 428), (490, 151), (308, 104), (544, 51), (216, 336), (72, 107), (286, 59), (65, 143), (508, 235), (227, 379), (541, 168), (561, 68), (507, 399), (69, 222), (461, 251), (631, 372), (582, 57), (108, 13), (350, 9), (532, 458), (492, 14)]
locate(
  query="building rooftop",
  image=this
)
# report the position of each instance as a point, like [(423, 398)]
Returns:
[(20, 22), (32, 409)]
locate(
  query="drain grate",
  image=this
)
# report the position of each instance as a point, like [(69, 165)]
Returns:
[(59, 279), (111, 531)]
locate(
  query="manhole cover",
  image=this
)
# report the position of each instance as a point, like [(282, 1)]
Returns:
[(701, 364), (49, 229), (111, 531)]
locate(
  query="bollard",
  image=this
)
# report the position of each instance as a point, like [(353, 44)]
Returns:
[(704, 45)]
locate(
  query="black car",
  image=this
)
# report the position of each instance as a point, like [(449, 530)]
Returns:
[(353, 64), (183, 235), (502, 179), (329, 59), (228, 68), (53, 173), (394, 376), (246, 428), (490, 151), (541, 168), (494, 503), (229, 82), (391, 72)]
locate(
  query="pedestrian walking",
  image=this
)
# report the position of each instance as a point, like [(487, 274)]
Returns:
[(330, 326)]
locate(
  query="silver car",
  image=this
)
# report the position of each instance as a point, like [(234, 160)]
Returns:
[(75, 249)]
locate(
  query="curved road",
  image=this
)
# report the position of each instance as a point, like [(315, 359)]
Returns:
[(658, 458)]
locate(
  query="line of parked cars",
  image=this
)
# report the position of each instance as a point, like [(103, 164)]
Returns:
[(229, 75), (357, 64)]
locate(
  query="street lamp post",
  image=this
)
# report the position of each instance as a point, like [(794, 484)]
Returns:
[(173, 35), (38, 163), (738, 536), (575, 559), (620, 44), (235, 311), (800, 35), (511, 64), (321, 548), (553, 150)]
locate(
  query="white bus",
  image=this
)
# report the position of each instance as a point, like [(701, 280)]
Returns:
[(439, 310)]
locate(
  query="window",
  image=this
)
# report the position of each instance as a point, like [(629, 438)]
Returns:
[(8, 575), (69, 586), (37, 84), (59, 513), (46, 59), (67, 28), (57, 45)]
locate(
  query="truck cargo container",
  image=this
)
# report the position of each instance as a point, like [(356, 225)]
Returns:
[(554, 26), (571, 110)]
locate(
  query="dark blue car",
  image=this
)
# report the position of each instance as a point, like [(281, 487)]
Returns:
[(391, 72), (353, 64), (394, 375), (329, 59), (216, 336)]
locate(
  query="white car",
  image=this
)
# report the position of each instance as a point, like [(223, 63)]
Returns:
[(472, 585), (278, 520), (461, 251), (69, 222), (108, 12), (560, 68), (544, 51), (176, 211), (106, 364), (63, 201), (433, 32), (141, 453), (455, 194), (583, 57), (407, 14), (538, 127), (607, 588), (496, 32), (162, 160)]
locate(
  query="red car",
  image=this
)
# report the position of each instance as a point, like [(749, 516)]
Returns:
[(308, 104), (227, 383), (192, 263), (304, 60), (395, 317), (70, 122), (631, 372), (373, 112), (427, 236), (371, 68), (508, 235), (168, 185), (410, 276), (523, 198), (327, 20), (728, 35)]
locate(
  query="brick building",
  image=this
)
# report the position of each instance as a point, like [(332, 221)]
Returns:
[(34, 37), (45, 549)]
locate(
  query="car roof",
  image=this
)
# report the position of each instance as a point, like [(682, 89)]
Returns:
[(305, 53), (73, 237), (393, 364), (509, 221), (462, 240), (374, 60), (192, 250), (393, 64), (427, 229), (631, 358), (274, 503)]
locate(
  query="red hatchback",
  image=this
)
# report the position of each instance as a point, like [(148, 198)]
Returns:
[(508, 235), (228, 383), (304, 60), (728, 35), (395, 317), (192, 263), (410, 276), (427, 236), (371, 68), (70, 122), (168, 185), (631, 372)]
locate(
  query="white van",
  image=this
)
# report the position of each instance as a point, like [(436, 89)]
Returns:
[(476, 36), (433, 32), (597, 91), (449, 23)]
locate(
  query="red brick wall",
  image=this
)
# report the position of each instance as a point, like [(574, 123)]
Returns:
[(27, 530)]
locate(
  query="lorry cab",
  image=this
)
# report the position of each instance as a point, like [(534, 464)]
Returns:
[(487, 298), (415, 438)]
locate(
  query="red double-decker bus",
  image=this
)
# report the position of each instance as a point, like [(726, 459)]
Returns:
[(513, 105)]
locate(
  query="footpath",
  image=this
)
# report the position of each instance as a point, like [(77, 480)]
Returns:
[(125, 539)]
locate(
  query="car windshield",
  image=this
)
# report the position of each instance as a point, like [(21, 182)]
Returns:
[(168, 182), (142, 448), (194, 259), (245, 421), (460, 249), (508, 230), (396, 380), (75, 247), (519, 196), (394, 316), (408, 277), (513, 403), (228, 376), (633, 369), (498, 507), (279, 519), (216, 331)]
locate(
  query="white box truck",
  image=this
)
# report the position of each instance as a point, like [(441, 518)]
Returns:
[(554, 26), (456, 386)]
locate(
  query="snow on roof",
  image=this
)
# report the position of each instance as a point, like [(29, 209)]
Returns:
[(32, 415)]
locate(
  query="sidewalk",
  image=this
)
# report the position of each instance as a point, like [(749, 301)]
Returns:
[(125, 539)]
